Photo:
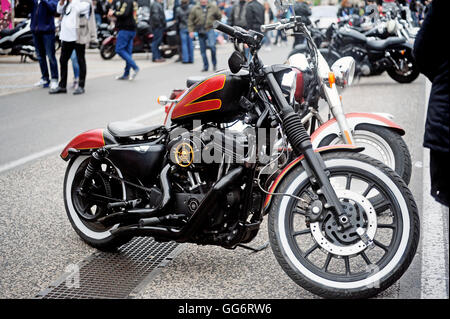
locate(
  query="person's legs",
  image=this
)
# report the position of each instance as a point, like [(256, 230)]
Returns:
[(190, 49), (157, 38), (80, 49), (184, 36), (66, 52), (439, 171), (49, 42), (40, 53), (75, 65), (212, 45), (124, 40), (202, 41)]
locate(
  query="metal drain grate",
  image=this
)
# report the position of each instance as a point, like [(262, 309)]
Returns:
[(114, 275)]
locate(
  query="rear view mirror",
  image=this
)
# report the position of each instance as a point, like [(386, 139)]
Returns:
[(236, 61)]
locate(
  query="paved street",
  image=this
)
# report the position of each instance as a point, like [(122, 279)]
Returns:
[(37, 242)]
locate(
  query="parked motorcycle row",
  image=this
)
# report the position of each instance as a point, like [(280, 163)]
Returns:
[(385, 44), (18, 41), (342, 222)]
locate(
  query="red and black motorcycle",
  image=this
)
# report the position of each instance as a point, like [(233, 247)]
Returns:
[(209, 177), (142, 42)]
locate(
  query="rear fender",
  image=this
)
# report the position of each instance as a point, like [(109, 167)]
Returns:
[(87, 141), (297, 161), (353, 121)]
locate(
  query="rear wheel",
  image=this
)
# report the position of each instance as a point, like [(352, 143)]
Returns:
[(83, 213), (340, 263), (108, 51)]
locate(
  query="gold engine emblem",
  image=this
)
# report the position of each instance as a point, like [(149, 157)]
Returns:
[(184, 154)]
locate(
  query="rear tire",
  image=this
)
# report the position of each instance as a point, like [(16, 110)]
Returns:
[(94, 234), (108, 51)]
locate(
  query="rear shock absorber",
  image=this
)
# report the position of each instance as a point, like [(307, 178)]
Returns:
[(93, 166)]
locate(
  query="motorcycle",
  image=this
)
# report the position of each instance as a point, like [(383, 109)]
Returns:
[(18, 41), (196, 180), (142, 42)]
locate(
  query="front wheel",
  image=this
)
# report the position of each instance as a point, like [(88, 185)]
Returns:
[(381, 143), (355, 262), (406, 70)]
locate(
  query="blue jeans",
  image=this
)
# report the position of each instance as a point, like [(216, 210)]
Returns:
[(157, 38), (75, 65), (208, 41), (45, 47), (187, 46), (124, 48)]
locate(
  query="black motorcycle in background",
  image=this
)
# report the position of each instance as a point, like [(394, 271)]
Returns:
[(18, 41)]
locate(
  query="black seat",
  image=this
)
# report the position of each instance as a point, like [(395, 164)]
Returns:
[(381, 45), (194, 79), (128, 129)]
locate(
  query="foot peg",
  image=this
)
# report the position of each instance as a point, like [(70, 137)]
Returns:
[(255, 250)]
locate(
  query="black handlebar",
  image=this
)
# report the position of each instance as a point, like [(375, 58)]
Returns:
[(251, 38)]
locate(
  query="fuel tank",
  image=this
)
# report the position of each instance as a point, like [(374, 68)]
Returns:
[(215, 99)]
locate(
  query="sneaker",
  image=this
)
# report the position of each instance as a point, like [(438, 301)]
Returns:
[(204, 70), (42, 83), (74, 84), (122, 77), (78, 91), (134, 74), (57, 90), (53, 84)]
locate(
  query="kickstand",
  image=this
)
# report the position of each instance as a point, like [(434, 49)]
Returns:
[(255, 250)]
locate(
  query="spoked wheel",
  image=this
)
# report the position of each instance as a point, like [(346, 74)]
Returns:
[(406, 70), (355, 262), (382, 144), (83, 211)]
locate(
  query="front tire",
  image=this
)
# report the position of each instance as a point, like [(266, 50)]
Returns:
[(78, 209), (409, 71), (351, 270), (108, 51)]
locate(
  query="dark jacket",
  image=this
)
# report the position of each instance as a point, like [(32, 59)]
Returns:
[(126, 13), (433, 61), (254, 15), (237, 15), (43, 16), (182, 15), (157, 15)]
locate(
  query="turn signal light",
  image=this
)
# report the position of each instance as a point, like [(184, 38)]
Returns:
[(331, 79)]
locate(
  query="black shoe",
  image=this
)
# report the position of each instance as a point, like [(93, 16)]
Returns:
[(204, 70), (57, 90), (78, 91), (215, 68)]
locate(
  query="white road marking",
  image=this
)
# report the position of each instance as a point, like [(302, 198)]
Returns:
[(56, 148), (434, 279)]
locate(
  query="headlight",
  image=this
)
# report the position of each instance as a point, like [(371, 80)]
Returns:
[(344, 70)]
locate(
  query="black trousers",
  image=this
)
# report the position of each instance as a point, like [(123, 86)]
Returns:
[(439, 171), (66, 51)]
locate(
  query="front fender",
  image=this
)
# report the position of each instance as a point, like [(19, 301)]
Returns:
[(353, 121), (88, 140), (297, 161)]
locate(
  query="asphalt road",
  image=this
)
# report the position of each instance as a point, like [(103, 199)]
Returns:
[(37, 242)]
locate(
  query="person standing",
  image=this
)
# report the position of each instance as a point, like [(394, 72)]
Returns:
[(43, 30), (75, 15), (158, 21), (237, 15), (434, 63), (126, 13), (187, 46), (201, 20)]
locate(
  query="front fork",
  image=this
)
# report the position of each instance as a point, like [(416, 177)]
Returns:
[(314, 166)]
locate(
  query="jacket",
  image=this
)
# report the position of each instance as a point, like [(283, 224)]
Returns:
[(126, 14), (87, 27), (254, 15), (197, 17), (237, 15), (157, 15), (43, 16), (70, 18), (433, 62), (182, 15)]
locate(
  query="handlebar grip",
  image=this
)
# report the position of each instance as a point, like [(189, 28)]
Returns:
[(269, 27), (224, 28)]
